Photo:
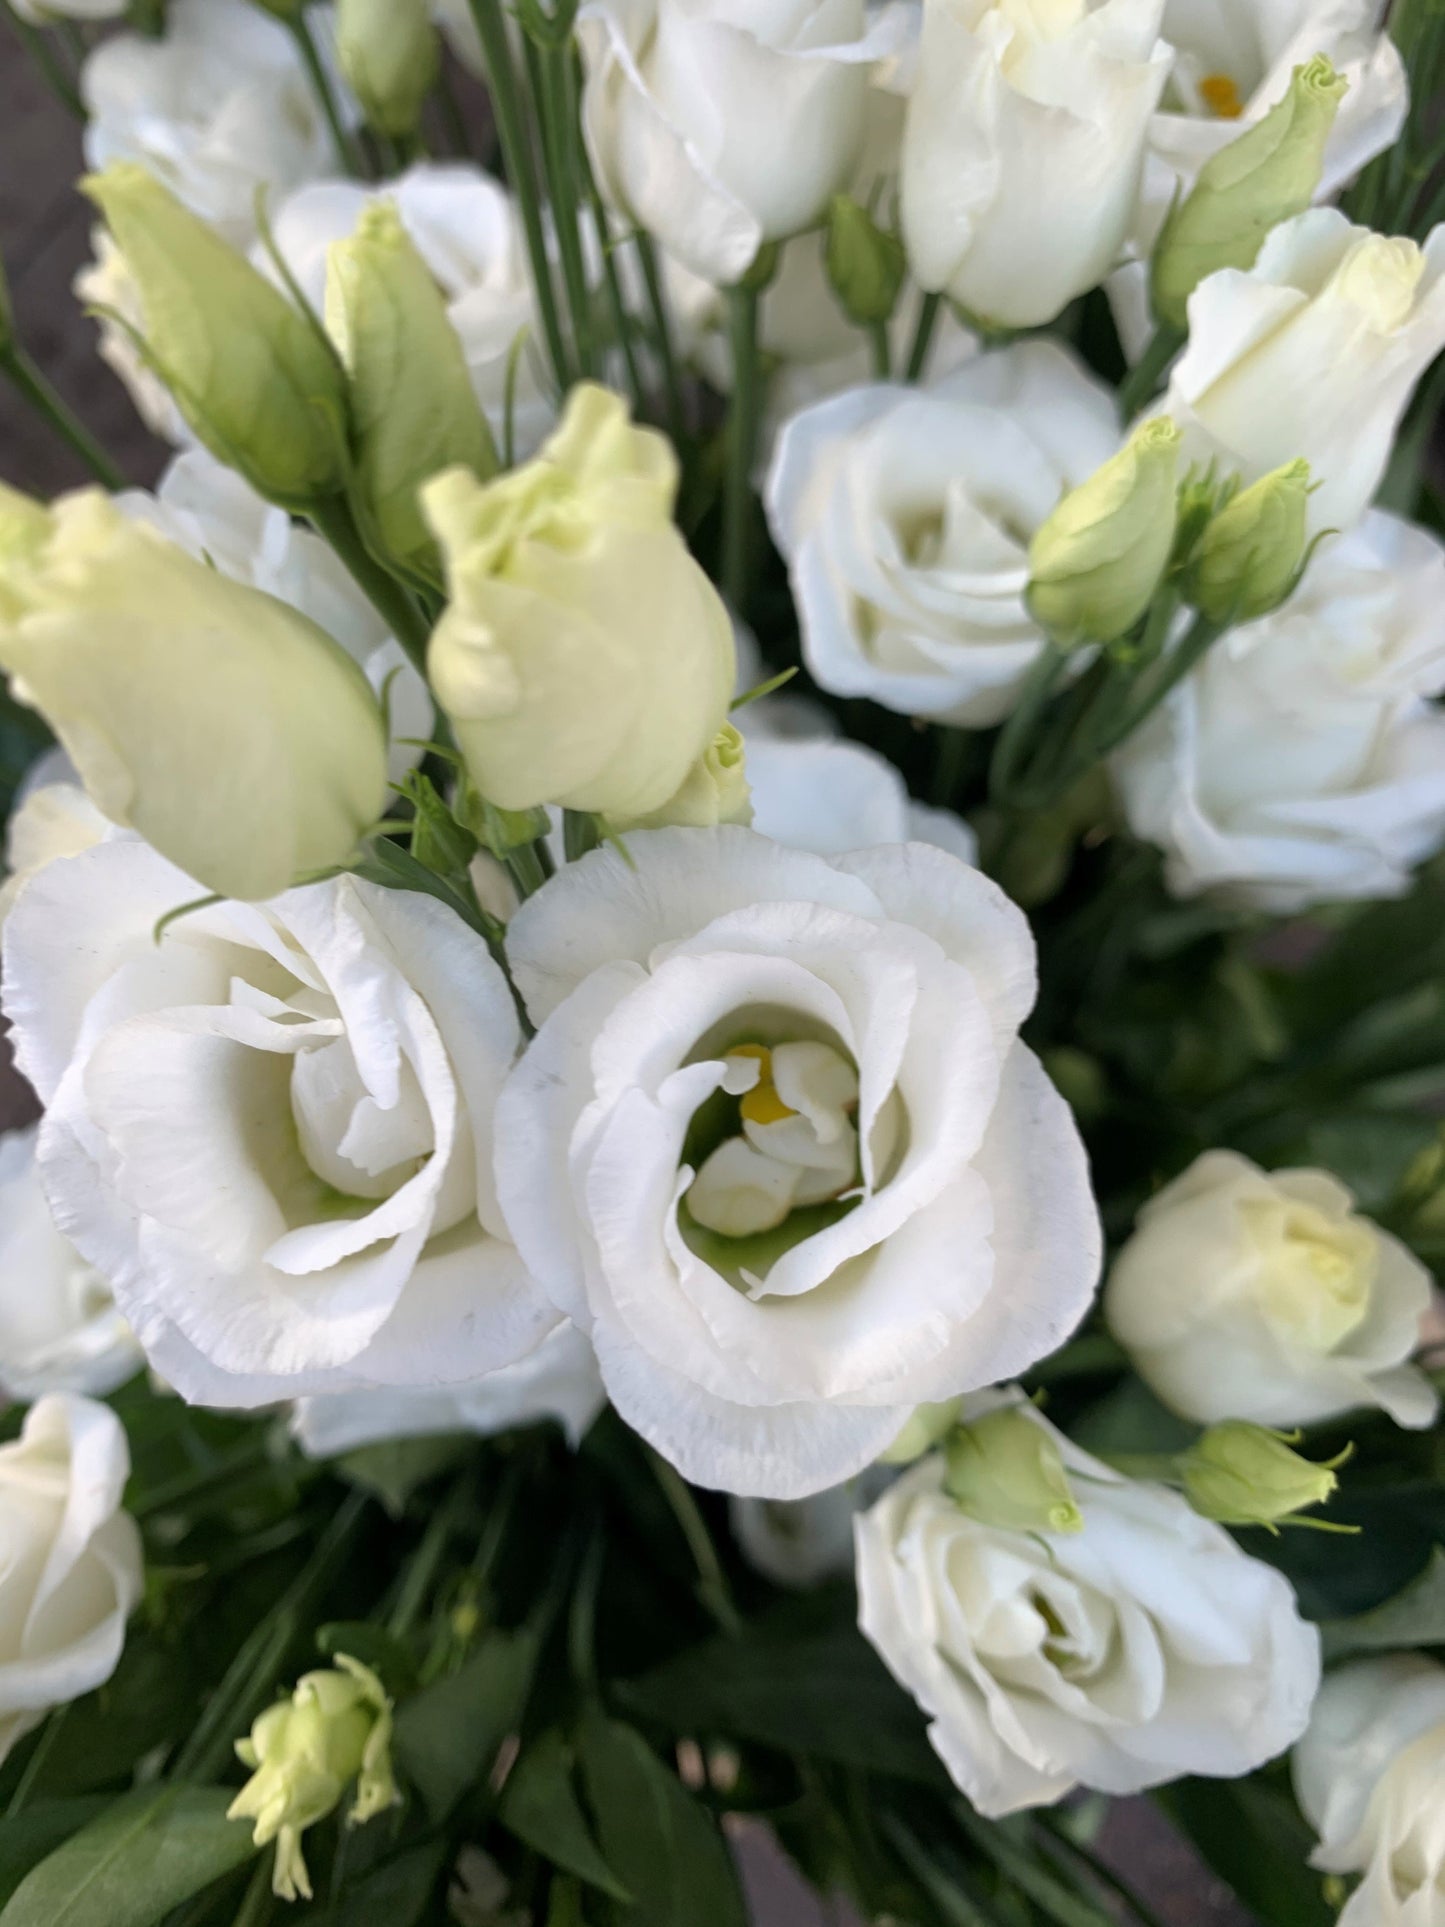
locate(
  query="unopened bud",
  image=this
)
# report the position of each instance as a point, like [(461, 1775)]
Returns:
[(866, 264), (715, 791), (1099, 558), (305, 1751), (390, 53), (1245, 1475), (1268, 175), (1006, 1469), (929, 1426), (1250, 555), (249, 373)]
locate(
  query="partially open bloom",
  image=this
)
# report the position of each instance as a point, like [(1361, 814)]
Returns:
[(72, 1570), (1136, 1647), (777, 1149), (1246, 1294)]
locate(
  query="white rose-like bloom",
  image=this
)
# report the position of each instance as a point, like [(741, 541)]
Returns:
[(1301, 762), (271, 1132), (1370, 1776), (55, 818), (905, 516), (217, 108), (59, 1328), (1144, 1647), (1024, 148), (829, 796), (1260, 382), (72, 1570), (1246, 1294), (558, 1380), (777, 1149), (718, 132)]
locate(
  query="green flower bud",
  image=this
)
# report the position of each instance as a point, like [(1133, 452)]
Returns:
[(304, 1752), (714, 791), (866, 264), (929, 1425), (1245, 1475), (1250, 555), (413, 410), (391, 56), (249, 373), (1006, 1470), (1266, 176), (1099, 558)]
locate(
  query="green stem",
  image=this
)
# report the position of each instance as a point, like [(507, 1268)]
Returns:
[(662, 333), (622, 325), (547, 67), (35, 1765), (713, 1589), (579, 834), (1142, 382), (743, 302), (43, 54), (421, 1569), (321, 87), (882, 350), (518, 161), (923, 336), (1016, 739), (34, 389), (1151, 689), (392, 601), (529, 867), (258, 1904)]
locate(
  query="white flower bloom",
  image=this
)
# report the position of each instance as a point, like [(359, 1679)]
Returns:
[(831, 797), (718, 133), (1143, 1647), (466, 227), (558, 1381), (52, 819), (1261, 381), (722, 997), (218, 107), (1024, 148), (59, 1328), (107, 284), (1301, 763), (212, 513), (271, 1132), (801, 1542), (905, 516), (1370, 1775), (72, 1570), (1246, 1294)]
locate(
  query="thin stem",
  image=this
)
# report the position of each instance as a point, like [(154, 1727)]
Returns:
[(35, 1765), (529, 868), (882, 350), (421, 1569), (391, 600), (258, 1904), (923, 336), (33, 387), (321, 87), (579, 834), (547, 67), (1142, 382), (713, 1589), (737, 544), (1167, 674), (662, 332), (1016, 737), (43, 54), (616, 300)]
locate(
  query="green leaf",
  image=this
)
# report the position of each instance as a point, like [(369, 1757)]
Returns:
[(144, 1855), (1252, 1835), (540, 1805), (375, 1647), (447, 1736), (661, 1842), (30, 1836), (397, 1892), (1414, 1617), (394, 1469)]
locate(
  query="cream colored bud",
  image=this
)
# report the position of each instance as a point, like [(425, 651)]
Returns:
[(866, 264), (1250, 555), (390, 54), (714, 791), (1245, 1475), (929, 1426), (1006, 1469)]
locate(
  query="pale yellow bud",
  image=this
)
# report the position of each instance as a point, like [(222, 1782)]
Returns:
[(1250, 555), (1246, 1475), (866, 264), (714, 791), (390, 54), (929, 1425), (1006, 1469)]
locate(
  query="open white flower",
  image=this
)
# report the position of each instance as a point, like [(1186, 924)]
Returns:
[(777, 1149), (72, 1570), (1313, 352), (54, 818), (1142, 1647), (1370, 1775), (271, 1132), (59, 1328), (906, 514), (1265, 1296), (558, 1381), (1301, 762)]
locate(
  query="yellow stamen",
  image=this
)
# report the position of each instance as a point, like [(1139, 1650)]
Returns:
[(762, 1105), (1221, 96)]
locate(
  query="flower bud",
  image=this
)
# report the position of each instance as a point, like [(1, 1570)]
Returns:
[(1007, 1470), (391, 56), (225, 727), (866, 265), (1266, 176), (304, 1752), (585, 659), (1097, 561), (412, 406), (250, 374), (714, 791), (1245, 1475), (929, 1425), (1250, 555)]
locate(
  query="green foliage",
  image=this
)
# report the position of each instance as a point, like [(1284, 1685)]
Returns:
[(448, 1736)]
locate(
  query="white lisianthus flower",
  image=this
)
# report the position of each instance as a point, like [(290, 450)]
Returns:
[(559, 1380), (718, 134), (1024, 148), (1260, 382), (219, 107), (271, 1132), (1301, 762), (831, 797), (466, 227), (212, 513), (72, 1571), (905, 516), (55, 818), (777, 1149), (1140, 1647), (59, 1328), (1370, 1776), (1246, 1294)]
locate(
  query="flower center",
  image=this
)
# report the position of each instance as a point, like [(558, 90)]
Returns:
[(1318, 1278), (1220, 94)]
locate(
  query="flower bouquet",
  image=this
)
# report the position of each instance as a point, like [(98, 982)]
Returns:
[(729, 916)]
